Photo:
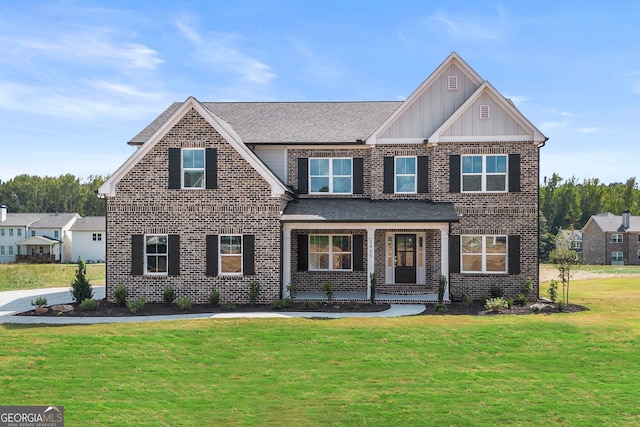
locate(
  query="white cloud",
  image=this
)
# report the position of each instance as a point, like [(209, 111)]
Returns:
[(189, 32), (467, 30), (589, 130)]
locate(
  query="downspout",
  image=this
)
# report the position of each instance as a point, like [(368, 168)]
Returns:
[(542, 144)]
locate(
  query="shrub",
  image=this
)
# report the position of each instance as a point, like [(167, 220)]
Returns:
[(535, 308), (254, 292), (353, 305), (39, 302), (88, 304), (442, 285), (327, 288), (309, 305), (214, 297), (293, 289), (553, 290), (169, 295), (120, 295), (496, 291), (509, 303), (468, 300), (521, 300), (229, 306), (136, 305), (441, 308), (495, 304), (282, 303), (80, 287), (372, 297), (183, 303), (561, 306), (528, 287)]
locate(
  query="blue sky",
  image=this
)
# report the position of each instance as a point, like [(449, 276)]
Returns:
[(78, 79)]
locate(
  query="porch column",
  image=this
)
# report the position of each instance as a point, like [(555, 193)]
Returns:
[(371, 263), (444, 257), (286, 260)]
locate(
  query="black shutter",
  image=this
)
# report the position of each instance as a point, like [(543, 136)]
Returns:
[(174, 255), (137, 255), (303, 176), (175, 166), (388, 185), (454, 174), (514, 254), (454, 254), (514, 173), (358, 252), (303, 252), (211, 162), (423, 174), (212, 255), (358, 175), (248, 255)]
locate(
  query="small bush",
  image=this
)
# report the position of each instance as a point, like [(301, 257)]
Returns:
[(136, 305), (229, 306), (496, 291), (254, 292), (495, 304), (528, 287), (521, 300), (353, 306), (372, 297), (39, 302), (553, 290), (442, 286), (169, 295), (468, 301), (88, 304), (214, 298), (293, 289), (80, 287), (120, 295), (561, 306), (309, 305), (535, 308), (282, 303), (441, 308), (327, 288), (509, 303), (184, 303)]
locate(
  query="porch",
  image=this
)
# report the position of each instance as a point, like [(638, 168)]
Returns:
[(361, 297)]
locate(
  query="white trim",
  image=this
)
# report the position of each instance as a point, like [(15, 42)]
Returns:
[(391, 141), (490, 138), (226, 274), (144, 254), (330, 253), (415, 175), (331, 176), (483, 254), (183, 169)]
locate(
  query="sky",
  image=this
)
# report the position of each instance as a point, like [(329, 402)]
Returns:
[(78, 79)]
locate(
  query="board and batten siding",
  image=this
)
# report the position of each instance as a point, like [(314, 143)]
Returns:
[(275, 158)]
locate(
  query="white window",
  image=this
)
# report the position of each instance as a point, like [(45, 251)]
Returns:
[(487, 173), (484, 254), (616, 238), (33, 233), (156, 254), (10, 232), (1, 231), (617, 256), (230, 254), (576, 244), (56, 234), (330, 252), (97, 237), (10, 250), (405, 174), (329, 175), (193, 168), (19, 231), (1, 250)]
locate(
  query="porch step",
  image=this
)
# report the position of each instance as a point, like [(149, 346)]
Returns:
[(404, 289)]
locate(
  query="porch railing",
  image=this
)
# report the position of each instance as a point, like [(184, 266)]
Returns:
[(37, 259)]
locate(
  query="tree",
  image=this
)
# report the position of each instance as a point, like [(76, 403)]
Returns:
[(80, 287), (564, 259)]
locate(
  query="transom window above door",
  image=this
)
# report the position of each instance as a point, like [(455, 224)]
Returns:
[(484, 173), (331, 175)]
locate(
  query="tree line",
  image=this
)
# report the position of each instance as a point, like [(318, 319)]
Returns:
[(568, 204), (65, 193)]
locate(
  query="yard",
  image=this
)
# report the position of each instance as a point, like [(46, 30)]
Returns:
[(563, 369)]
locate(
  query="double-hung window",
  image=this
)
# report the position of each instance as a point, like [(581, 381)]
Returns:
[(616, 238), (156, 254), (19, 232), (405, 174), (230, 254), (617, 256), (484, 254), (10, 232), (331, 175), (330, 252), (56, 234), (484, 173), (1, 250), (1, 231), (193, 175)]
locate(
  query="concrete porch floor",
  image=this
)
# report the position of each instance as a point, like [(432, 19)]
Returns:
[(342, 296)]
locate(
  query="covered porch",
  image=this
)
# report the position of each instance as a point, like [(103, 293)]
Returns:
[(39, 249), (395, 249)]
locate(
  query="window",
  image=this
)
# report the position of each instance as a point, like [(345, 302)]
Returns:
[(1, 250), (576, 244), (484, 254), (332, 176), (10, 250), (56, 234), (617, 256), (193, 168), (97, 237), (1, 231), (10, 232), (405, 174), (33, 233), (484, 173), (638, 254), (231, 254), (616, 238), (19, 232), (155, 254), (330, 252)]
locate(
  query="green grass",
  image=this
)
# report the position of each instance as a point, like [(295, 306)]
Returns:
[(566, 369), (34, 276)]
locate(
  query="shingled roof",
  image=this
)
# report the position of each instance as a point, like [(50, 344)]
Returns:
[(292, 122)]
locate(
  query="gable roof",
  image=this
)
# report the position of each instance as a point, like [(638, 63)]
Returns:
[(38, 240), (39, 220), (609, 222), (224, 128), (90, 223), (291, 122), (20, 219), (569, 235)]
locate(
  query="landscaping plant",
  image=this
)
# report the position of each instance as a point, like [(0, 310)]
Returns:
[(80, 287)]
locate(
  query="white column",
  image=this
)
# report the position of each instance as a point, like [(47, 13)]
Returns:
[(444, 257), (286, 260), (371, 256)]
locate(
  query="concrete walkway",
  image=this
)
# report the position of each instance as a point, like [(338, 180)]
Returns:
[(12, 302)]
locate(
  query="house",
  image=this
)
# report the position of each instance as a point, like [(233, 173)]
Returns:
[(35, 237), (611, 239), (570, 239), (219, 195), (89, 238)]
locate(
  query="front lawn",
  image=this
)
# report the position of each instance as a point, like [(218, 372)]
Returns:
[(563, 369), (35, 276)]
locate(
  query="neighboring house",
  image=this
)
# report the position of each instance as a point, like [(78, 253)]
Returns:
[(35, 237), (89, 238), (611, 239), (570, 239), (222, 194)]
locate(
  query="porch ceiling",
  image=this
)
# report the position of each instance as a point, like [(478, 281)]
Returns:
[(366, 210)]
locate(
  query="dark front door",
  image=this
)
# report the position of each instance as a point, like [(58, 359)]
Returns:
[(405, 258)]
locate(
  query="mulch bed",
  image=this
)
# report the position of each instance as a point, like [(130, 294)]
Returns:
[(108, 309)]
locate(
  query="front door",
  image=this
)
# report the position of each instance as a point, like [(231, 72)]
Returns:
[(405, 258)]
